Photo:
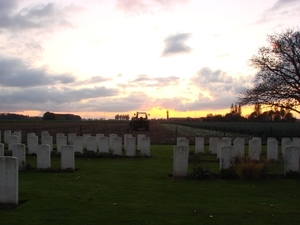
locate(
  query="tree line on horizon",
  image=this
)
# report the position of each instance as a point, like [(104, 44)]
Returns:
[(275, 114)]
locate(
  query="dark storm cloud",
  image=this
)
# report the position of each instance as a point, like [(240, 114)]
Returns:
[(15, 73), (175, 44)]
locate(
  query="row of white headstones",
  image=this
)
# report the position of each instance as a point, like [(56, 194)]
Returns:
[(226, 150), (70, 144), (222, 147), (66, 145)]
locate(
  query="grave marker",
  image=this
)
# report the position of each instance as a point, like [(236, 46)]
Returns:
[(9, 180)]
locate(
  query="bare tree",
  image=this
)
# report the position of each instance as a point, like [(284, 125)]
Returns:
[(277, 82)]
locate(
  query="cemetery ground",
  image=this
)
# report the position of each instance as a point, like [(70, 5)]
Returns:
[(139, 190)]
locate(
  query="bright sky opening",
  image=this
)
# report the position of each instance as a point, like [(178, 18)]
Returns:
[(100, 58)]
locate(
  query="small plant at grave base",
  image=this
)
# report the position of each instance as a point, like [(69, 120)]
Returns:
[(292, 174), (28, 166), (247, 168), (194, 158), (228, 174), (201, 173)]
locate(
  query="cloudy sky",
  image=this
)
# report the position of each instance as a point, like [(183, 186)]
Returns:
[(99, 58)]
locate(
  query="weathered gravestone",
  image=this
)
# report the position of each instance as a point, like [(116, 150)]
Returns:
[(9, 180), (60, 141), (213, 145), (145, 146), (19, 151), (91, 144), (239, 146), (67, 157), (254, 149), (47, 140), (110, 140), (43, 157), (227, 157), (139, 138), (85, 137), (70, 138), (103, 145), (116, 145), (130, 146), (272, 149), (291, 159), (180, 161), (32, 143), (13, 139), (7, 134), (285, 141), (125, 139), (220, 143), (199, 145), (78, 144)]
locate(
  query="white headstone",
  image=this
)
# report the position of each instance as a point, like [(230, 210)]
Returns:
[(78, 144), (9, 180), (291, 159), (44, 132), (145, 146), (32, 143), (272, 149), (19, 151), (239, 146), (103, 144), (110, 140), (59, 135), (254, 149), (7, 134), (70, 138), (180, 161), (199, 145), (18, 133), (130, 146), (13, 139), (91, 144), (125, 139), (47, 140), (139, 137), (285, 143), (259, 143), (227, 157), (43, 157), (221, 143), (67, 157), (183, 142), (296, 141), (60, 141), (213, 145), (28, 135), (178, 139), (116, 145), (85, 137)]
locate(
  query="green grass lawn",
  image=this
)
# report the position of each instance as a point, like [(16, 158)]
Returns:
[(139, 191)]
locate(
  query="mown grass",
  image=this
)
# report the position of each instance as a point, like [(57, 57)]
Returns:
[(139, 191)]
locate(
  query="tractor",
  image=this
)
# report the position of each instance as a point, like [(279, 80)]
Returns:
[(140, 121)]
